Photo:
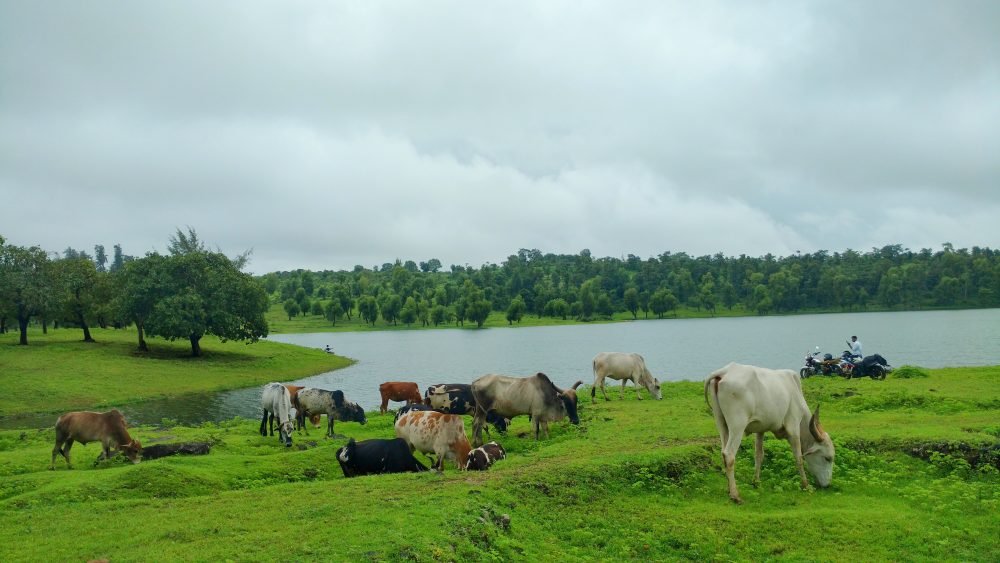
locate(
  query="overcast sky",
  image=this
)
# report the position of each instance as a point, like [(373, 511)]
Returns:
[(327, 134)]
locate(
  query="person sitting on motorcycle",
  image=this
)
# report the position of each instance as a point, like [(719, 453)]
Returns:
[(855, 345)]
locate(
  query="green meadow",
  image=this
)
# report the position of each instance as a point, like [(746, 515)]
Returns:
[(916, 476)]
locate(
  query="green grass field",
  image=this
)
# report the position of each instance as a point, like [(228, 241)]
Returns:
[(637, 480), (59, 371)]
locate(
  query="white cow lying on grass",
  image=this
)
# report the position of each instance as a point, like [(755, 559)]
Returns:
[(752, 400)]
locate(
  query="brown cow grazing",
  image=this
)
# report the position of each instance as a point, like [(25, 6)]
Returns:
[(399, 391), (108, 428), (440, 434)]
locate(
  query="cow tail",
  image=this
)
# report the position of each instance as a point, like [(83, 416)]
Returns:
[(712, 387)]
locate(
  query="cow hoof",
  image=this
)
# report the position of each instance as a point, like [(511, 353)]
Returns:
[(737, 500)]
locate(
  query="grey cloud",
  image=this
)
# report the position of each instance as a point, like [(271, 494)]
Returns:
[(325, 135)]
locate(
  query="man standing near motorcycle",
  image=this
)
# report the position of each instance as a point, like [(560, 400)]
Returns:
[(855, 345)]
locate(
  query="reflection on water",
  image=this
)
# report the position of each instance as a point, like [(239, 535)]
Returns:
[(674, 350)]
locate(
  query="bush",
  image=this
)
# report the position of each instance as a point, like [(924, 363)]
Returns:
[(909, 372)]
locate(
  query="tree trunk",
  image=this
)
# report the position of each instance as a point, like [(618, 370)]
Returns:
[(83, 324), (45, 325), (22, 325), (142, 339), (195, 346)]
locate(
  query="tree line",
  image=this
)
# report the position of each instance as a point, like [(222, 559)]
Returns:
[(191, 291), (184, 294), (586, 288)]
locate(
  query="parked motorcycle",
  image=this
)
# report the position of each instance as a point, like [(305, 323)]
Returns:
[(827, 366), (874, 366), (812, 366)]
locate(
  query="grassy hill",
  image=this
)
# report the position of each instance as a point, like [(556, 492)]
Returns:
[(916, 479)]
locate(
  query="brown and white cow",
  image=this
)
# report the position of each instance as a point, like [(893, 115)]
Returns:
[(108, 428), (440, 434), (398, 391), (753, 400), (535, 396)]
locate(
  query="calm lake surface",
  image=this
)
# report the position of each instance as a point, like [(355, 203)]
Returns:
[(686, 349)]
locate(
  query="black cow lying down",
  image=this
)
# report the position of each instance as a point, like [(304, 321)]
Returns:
[(374, 457)]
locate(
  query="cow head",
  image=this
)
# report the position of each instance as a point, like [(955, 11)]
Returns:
[(352, 412), (285, 432), (653, 386), (133, 451), (819, 456), (345, 457), (568, 398), (315, 419)]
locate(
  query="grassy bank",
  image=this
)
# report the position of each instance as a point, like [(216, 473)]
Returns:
[(58, 371), (636, 480)]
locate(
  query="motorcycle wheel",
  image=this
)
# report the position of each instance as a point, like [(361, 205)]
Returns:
[(804, 373), (878, 372), (836, 370)]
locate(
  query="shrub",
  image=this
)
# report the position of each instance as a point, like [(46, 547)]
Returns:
[(909, 372)]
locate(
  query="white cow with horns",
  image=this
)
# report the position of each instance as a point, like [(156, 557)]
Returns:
[(753, 400)]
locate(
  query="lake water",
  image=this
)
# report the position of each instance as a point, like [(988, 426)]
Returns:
[(674, 350)]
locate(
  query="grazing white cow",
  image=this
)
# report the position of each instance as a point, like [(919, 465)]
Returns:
[(752, 400), (626, 367)]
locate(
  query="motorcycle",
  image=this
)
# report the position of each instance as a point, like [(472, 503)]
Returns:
[(827, 366), (812, 366), (874, 366)]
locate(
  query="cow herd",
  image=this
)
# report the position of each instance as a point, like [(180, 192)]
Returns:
[(744, 400)]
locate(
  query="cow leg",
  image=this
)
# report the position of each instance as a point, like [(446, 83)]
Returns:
[(535, 426), (65, 453), (545, 428), (758, 457), (58, 449), (384, 406), (604, 390), (729, 458), (263, 425), (301, 416), (329, 425), (635, 383), (793, 441), (621, 395), (477, 428)]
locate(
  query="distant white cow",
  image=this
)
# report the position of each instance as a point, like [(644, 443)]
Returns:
[(626, 367), (752, 400)]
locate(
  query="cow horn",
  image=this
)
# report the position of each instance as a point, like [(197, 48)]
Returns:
[(575, 385), (814, 428)]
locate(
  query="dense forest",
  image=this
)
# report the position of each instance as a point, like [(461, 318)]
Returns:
[(191, 291), (586, 288)]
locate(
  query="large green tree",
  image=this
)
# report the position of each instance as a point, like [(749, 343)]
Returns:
[(206, 293), (26, 284)]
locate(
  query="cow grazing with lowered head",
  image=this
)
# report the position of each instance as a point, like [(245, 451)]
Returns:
[(481, 458), (456, 398), (377, 456), (332, 404), (398, 391), (435, 433), (108, 428), (535, 396), (277, 404), (626, 367), (752, 400)]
